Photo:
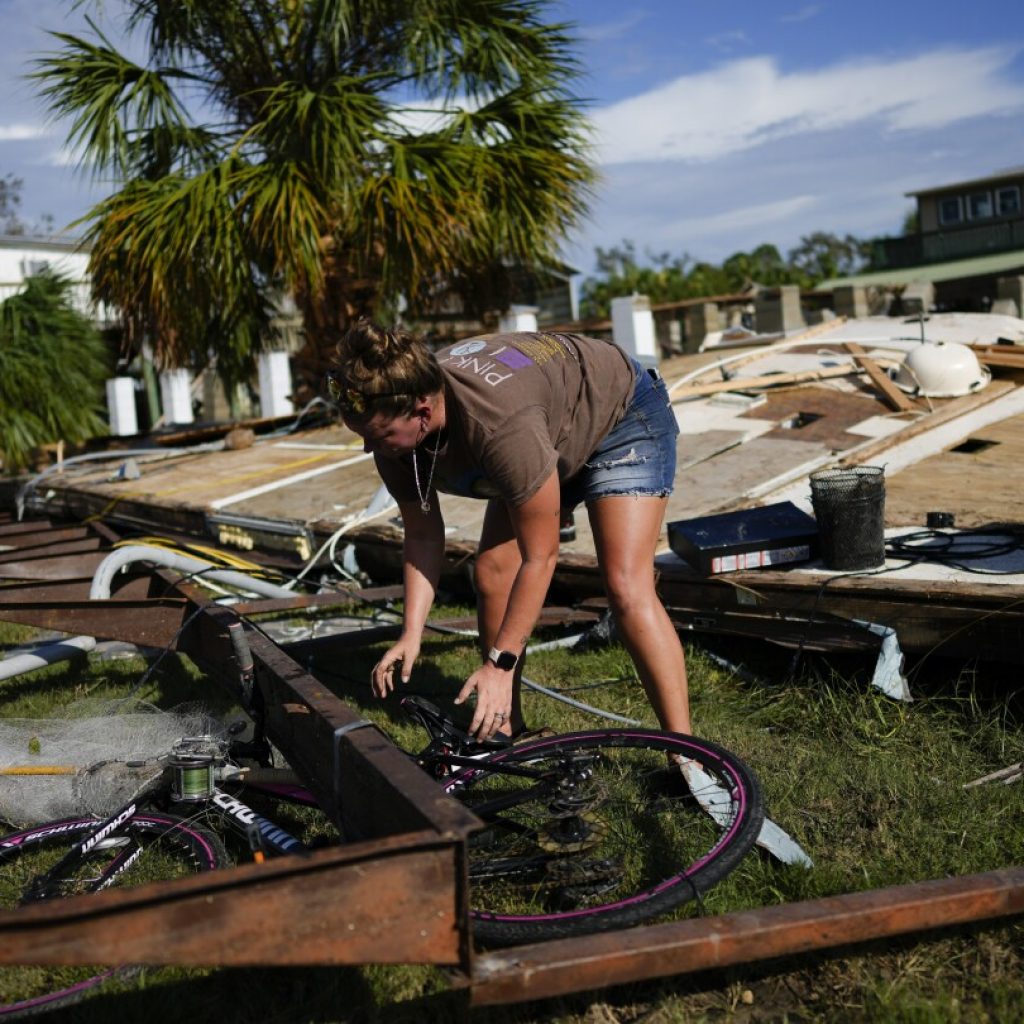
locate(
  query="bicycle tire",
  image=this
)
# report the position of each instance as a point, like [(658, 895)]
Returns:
[(179, 848), (659, 851)]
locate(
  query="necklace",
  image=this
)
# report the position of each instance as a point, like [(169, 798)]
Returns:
[(424, 503)]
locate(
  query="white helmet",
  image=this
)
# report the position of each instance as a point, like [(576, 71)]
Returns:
[(940, 369)]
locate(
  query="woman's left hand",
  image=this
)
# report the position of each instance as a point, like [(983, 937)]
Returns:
[(493, 689)]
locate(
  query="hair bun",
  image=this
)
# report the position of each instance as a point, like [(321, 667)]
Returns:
[(375, 346)]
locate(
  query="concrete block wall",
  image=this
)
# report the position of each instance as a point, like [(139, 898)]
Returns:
[(778, 311)]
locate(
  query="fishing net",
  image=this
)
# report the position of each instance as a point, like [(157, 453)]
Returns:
[(91, 759)]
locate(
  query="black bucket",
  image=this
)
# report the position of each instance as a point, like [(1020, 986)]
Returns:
[(849, 505)]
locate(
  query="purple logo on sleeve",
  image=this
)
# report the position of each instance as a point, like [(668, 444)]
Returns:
[(513, 358)]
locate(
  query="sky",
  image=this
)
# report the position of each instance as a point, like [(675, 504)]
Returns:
[(716, 126)]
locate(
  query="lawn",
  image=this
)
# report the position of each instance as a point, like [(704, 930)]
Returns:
[(871, 788)]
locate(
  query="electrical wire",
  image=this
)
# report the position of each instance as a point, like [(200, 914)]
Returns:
[(954, 550)]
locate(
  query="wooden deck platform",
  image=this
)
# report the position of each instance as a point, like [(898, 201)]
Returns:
[(287, 494)]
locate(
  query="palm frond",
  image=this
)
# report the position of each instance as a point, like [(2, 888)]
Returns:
[(52, 366)]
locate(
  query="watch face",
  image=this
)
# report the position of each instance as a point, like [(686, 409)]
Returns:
[(505, 660)]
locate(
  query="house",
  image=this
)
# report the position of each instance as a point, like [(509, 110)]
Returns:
[(21, 256), (967, 252)]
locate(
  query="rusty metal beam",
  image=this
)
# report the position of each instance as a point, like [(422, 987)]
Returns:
[(597, 961), (47, 535), (130, 615), (47, 550), (389, 901), (362, 781), (53, 567), (10, 528)]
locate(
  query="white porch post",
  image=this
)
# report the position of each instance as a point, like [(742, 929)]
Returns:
[(176, 396), (519, 318), (275, 384), (121, 406), (633, 328)]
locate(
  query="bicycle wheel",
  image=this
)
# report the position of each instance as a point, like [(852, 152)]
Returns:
[(170, 847), (600, 832)]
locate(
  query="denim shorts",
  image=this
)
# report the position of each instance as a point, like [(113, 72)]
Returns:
[(638, 457)]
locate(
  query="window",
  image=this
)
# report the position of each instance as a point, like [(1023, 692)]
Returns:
[(1007, 200), (30, 267), (950, 210), (979, 205)]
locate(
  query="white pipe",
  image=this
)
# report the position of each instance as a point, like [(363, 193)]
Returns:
[(62, 650), (121, 557)]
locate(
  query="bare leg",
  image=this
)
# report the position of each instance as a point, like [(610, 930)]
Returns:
[(626, 530), (497, 562)]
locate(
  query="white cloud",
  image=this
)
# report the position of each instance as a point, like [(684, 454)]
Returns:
[(744, 103), (610, 30), (20, 132), (805, 13), (728, 41), (744, 219)]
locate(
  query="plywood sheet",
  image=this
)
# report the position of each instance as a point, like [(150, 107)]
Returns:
[(707, 487), (831, 413), (979, 481)]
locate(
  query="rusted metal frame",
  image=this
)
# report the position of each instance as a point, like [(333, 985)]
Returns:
[(39, 536), (368, 787), (12, 528), (327, 600), (53, 567), (821, 633), (390, 901), (745, 937), (384, 909), (320, 650), (129, 615), (326, 742), (39, 552)]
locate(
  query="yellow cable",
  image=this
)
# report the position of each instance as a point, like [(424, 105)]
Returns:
[(211, 554), (40, 769)]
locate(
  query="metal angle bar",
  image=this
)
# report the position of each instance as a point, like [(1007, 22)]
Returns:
[(49, 549), (53, 567), (597, 961), (390, 901), (49, 535)]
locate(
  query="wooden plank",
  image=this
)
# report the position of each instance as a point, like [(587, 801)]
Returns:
[(1008, 356), (891, 394), (767, 380), (951, 410)]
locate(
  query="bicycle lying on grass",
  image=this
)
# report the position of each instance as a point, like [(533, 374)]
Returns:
[(582, 832)]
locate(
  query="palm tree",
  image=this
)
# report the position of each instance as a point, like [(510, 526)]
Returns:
[(52, 366), (345, 152)]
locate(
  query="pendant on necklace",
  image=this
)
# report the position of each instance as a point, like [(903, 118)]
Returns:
[(424, 506)]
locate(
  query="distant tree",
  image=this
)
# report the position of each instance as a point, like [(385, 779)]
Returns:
[(343, 152), (52, 366), (911, 222), (823, 255), (10, 200)]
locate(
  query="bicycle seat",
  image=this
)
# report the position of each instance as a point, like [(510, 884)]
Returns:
[(440, 726)]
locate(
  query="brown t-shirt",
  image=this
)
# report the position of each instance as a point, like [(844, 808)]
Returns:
[(518, 406)]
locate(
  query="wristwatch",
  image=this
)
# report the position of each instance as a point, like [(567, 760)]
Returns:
[(505, 660)]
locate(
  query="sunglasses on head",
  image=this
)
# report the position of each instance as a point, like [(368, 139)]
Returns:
[(351, 399)]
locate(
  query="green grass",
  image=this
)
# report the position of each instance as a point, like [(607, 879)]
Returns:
[(871, 788)]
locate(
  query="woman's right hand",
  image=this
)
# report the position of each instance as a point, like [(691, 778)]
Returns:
[(401, 657)]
